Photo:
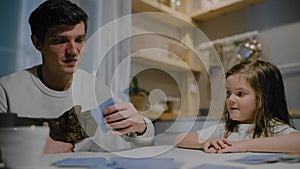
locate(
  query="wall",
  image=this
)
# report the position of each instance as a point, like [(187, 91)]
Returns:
[(9, 12)]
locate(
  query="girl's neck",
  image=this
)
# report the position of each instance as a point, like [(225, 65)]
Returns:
[(54, 81)]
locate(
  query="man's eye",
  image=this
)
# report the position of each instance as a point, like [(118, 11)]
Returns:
[(58, 41), (80, 40)]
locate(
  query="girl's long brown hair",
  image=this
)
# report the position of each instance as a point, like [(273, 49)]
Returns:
[(266, 81)]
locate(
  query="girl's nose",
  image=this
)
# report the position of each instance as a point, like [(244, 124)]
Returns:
[(231, 99)]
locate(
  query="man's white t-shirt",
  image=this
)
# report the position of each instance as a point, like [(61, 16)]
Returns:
[(24, 93)]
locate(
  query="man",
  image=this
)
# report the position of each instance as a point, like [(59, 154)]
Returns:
[(48, 90)]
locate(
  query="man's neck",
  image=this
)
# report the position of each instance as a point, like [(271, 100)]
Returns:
[(55, 81)]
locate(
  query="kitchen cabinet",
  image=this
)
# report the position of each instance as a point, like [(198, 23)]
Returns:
[(156, 6), (220, 8), (186, 17), (193, 10)]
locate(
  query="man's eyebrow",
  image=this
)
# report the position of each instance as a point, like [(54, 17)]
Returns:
[(82, 36), (63, 36)]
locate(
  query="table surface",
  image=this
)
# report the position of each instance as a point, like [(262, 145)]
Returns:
[(189, 158)]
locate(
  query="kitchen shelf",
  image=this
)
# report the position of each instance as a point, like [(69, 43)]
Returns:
[(164, 62), (224, 7), (155, 6)]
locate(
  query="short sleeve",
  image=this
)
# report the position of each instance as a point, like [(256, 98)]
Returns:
[(283, 129), (215, 131)]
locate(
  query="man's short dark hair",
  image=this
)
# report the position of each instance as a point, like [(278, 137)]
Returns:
[(55, 12)]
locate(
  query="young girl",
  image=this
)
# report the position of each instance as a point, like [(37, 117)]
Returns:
[(256, 118)]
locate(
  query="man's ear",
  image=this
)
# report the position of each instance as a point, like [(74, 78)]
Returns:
[(37, 44)]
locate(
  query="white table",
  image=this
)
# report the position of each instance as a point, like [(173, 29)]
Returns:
[(189, 158)]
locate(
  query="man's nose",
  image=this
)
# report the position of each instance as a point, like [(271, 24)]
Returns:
[(72, 49)]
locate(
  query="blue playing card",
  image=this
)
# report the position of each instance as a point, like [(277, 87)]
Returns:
[(214, 166), (81, 162), (144, 163), (98, 113), (258, 159)]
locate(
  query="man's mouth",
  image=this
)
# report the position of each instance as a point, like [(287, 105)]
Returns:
[(71, 60)]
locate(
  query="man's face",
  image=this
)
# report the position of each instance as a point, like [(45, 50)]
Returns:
[(62, 48)]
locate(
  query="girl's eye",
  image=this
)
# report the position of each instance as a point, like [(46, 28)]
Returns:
[(228, 93), (240, 94)]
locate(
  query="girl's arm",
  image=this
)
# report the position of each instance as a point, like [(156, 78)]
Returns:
[(287, 143), (188, 140), (191, 140)]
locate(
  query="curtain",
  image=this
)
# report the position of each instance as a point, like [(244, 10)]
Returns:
[(26, 55), (110, 44)]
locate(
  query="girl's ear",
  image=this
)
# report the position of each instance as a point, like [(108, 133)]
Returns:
[(37, 44)]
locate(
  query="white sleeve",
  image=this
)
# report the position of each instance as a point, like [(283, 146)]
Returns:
[(142, 140), (106, 141), (214, 131), (283, 129), (3, 101)]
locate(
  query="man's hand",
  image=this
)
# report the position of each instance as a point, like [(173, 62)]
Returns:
[(53, 146), (123, 118)]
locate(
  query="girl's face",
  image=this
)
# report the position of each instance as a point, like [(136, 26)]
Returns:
[(241, 99)]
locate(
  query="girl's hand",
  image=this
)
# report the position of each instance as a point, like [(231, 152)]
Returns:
[(235, 146), (215, 145)]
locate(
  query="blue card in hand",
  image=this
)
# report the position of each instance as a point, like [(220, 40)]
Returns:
[(98, 113)]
